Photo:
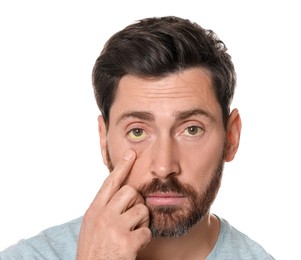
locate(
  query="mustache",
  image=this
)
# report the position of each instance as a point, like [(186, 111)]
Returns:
[(171, 184)]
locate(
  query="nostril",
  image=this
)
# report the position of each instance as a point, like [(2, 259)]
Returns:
[(165, 171)]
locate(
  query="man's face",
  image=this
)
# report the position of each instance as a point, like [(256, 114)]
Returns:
[(175, 126)]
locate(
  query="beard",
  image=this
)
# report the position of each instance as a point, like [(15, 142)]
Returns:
[(175, 221)]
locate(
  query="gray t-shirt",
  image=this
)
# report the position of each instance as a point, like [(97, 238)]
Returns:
[(60, 242), (234, 245)]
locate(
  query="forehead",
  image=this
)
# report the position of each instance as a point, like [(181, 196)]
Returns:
[(188, 89)]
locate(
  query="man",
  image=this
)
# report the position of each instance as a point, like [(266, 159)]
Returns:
[(164, 88)]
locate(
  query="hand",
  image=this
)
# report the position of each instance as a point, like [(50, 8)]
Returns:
[(116, 224)]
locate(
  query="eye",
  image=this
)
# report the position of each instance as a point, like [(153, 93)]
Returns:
[(136, 134), (193, 131)]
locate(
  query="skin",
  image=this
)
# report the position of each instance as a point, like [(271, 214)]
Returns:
[(157, 143)]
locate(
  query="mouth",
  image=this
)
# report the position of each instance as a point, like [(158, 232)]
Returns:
[(164, 199)]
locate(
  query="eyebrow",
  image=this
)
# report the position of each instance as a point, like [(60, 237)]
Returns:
[(179, 115), (142, 115), (182, 115)]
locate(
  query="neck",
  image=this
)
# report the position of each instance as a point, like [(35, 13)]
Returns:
[(198, 242)]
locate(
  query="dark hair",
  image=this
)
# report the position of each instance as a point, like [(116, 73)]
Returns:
[(156, 47)]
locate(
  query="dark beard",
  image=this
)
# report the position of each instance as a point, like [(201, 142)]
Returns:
[(173, 221)]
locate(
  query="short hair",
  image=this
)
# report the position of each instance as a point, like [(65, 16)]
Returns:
[(157, 47)]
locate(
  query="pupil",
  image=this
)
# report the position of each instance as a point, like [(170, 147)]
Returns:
[(192, 130), (137, 132)]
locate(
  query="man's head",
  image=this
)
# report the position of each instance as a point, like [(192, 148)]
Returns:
[(164, 88), (157, 47)]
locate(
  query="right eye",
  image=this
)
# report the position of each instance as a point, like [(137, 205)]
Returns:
[(137, 134)]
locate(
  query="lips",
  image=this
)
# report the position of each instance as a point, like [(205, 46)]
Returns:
[(164, 199)]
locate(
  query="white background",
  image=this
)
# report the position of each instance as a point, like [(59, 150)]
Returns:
[(50, 163)]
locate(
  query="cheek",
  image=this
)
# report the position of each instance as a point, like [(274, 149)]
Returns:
[(116, 146), (200, 163)]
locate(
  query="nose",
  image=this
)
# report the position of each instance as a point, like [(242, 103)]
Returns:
[(165, 158)]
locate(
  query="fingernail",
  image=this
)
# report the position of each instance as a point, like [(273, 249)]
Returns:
[(128, 155)]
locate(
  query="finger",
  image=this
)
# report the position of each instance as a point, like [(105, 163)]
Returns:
[(136, 217), (142, 236), (114, 181), (125, 198)]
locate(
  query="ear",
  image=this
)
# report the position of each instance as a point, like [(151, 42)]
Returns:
[(102, 131), (233, 135)]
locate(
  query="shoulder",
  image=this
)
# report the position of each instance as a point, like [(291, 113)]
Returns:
[(58, 242), (233, 244)]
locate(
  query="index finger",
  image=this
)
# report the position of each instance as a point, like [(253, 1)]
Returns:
[(114, 181)]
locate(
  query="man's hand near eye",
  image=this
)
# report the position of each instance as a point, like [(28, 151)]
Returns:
[(116, 224)]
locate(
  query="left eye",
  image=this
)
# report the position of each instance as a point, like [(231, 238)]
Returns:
[(136, 134), (193, 131)]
